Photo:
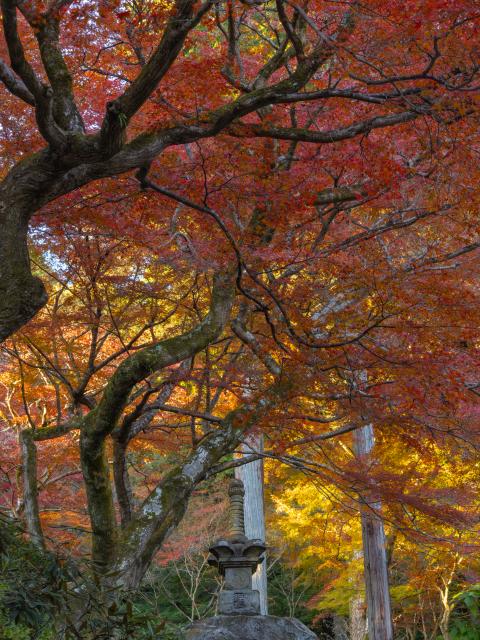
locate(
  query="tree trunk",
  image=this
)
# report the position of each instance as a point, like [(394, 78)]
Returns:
[(251, 475), (123, 489), (357, 622), (21, 294), (374, 553), (30, 489), (357, 625)]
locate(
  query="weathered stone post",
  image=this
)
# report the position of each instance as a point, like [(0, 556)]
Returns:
[(237, 558)]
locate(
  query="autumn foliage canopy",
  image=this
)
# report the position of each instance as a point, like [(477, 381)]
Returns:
[(227, 217)]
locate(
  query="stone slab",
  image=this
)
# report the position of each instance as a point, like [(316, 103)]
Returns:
[(239, 602), (249, 628), (238, 578)]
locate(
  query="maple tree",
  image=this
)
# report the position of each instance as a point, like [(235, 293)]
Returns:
[(431, 564), (237, 209)]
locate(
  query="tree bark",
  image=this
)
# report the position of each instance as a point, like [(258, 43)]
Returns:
[(30, 488), (123, 489), (357, 622), (357, 625), (21, 294), (379, 614)]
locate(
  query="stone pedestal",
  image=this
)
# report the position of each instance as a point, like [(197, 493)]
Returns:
[(239, 602), (236, 559), (241, 627)]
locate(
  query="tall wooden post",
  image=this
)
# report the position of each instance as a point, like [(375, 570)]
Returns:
[(379, 613), (357, 622), (251, 475)]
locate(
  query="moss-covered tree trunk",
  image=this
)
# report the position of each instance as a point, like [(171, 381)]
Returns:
[(21, 294)]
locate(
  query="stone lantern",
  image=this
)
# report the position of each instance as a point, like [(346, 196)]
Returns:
[(236, 558)]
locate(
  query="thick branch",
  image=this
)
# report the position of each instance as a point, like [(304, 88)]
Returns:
[(242, 130), (292, 35), (65, 111), (166, 505), (102, 420), (42, 93), (248, 338), (14, 84), (123, 108), (15, 49), (47, 30), (133, 424), (50, 433), (338, 195)]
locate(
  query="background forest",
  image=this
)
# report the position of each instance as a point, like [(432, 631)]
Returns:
[(238, 231)]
